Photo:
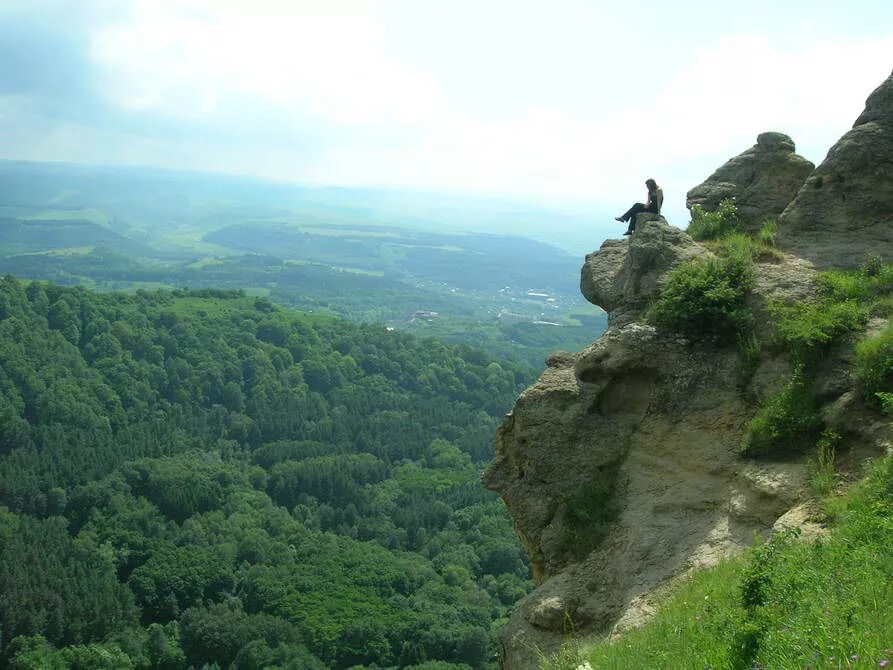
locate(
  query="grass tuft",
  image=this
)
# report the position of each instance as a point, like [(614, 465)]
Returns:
[(874, 367), (749, 350), (822, 468), (767, 233)]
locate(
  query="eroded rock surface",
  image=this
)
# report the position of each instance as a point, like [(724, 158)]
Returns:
[(844, 211), (623, 275), (620, 465), (763, 180), (658, 422), (655, 421)]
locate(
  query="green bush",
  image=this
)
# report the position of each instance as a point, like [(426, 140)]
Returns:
[(845, 301), (807, 329), (874, 366), (843, 285), (755, 592), (706, 297), (864, 285), (787, 423), (706, 225), (886, 400)]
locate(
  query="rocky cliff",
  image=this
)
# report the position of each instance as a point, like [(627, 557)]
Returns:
[(845, 208), (620, 465), (762, 180)]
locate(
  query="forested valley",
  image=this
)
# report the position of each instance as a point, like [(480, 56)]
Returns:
[(417, 262), (200, 478)]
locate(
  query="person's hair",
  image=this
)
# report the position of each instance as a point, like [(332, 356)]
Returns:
[(651, 184)]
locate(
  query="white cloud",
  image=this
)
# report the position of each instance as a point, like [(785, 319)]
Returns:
[(697, 117), (321, 60), (321, 91)]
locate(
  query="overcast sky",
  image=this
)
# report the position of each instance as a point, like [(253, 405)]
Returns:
[(544, 100)]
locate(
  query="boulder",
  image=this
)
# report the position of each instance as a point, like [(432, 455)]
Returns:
[(844, 211), (762, 180), (625, 273)]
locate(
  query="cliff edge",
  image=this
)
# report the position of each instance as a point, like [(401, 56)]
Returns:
[(621, 465)]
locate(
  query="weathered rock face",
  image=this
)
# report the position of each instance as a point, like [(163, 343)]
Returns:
[(845, 209), (625, 273), (619, 465), (763, 180), (653, 421)]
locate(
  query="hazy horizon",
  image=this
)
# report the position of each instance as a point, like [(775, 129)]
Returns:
[(567, 107)]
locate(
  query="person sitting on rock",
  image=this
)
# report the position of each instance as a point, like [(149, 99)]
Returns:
[(655, 200)]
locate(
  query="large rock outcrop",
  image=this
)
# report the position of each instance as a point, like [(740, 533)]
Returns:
[(763, 180), (620, 464), (844, 211)]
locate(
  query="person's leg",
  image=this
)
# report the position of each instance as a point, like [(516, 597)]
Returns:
[(630, 214)]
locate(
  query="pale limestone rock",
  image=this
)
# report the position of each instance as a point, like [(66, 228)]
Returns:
[(844, 211), (804, 517), (662, 418), (762, 180), (550, 612), (670, 419), (659, 419), (625, 273)]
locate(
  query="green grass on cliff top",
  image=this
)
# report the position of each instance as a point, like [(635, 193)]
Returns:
[(782, 605)]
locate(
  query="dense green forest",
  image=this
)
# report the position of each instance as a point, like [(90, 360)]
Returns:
[(199, 478)]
